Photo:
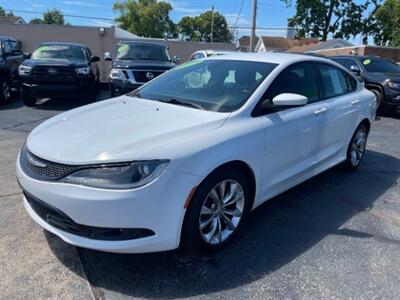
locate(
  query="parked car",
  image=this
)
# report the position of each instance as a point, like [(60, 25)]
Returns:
[(381, 76), (135, 63), (10, 57), (176, 161), (59, 70), (207, 53)]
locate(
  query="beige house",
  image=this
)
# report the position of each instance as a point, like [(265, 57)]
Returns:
[(11, 20), (98, 39), (276, 43)]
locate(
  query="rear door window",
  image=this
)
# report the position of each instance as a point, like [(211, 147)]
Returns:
[(333, 81)]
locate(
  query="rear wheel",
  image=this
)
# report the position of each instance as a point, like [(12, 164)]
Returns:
[(217, 210), (27, 98), (356, 148)]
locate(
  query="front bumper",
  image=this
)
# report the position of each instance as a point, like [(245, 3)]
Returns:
[(392, 99), (121, 87), (158, 207), (69, 90)]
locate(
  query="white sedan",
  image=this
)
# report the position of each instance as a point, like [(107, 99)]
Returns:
[(186, 157)]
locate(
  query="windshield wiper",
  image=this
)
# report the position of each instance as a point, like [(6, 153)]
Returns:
[(183, 102)]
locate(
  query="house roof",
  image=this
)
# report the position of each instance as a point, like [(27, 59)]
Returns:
[(330, 44), (11, 20), (245, 40), (283, 43)]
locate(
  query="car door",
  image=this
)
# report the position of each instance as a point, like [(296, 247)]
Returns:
[(13, 58), (338, 93), (291, 133)]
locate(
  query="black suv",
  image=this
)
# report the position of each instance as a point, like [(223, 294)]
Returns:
[(381, 76), (10, 58), (59, 70), (135, 63)]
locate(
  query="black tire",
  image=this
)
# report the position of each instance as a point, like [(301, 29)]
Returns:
[(352, 163), (6, 95), (192, 235), (27, 98), (379, 97)]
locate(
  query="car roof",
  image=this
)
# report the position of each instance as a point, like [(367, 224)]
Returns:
[(63, 44), (7, 37), (270, 57), (122, 42)]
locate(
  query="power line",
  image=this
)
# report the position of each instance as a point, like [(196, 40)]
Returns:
[(65, 15), (110, 19), (237, 20)]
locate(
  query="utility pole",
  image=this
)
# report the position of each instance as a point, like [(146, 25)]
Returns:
[(212, 23), (253, 26)]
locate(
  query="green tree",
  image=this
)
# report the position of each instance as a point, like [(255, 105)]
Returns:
[(148, 18), (53, 16), (4, 13), (388, 24), (198, 28), (36, 21), (341, 18)]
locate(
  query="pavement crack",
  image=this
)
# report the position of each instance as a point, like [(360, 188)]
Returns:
[(9, 195), (23, 123)]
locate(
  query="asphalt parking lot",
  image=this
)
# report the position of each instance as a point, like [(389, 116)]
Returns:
[(336, 236)]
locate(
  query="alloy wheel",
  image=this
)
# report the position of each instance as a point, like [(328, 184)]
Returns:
[(358, 146), (221, 212)]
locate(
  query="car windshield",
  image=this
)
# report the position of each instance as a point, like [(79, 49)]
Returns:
[(142, 52), (216, 85), (376, 65), (60, 52)]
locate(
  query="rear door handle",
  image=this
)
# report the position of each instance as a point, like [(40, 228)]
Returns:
[(320, 110), (355, 102)]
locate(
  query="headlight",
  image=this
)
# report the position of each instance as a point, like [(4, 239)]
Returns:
[(117, 74), (84, 70), (119, 176), (24, 70), (393, 85)]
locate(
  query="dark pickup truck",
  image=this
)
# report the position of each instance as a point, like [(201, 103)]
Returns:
[(59, 70), (135, 63), (10, 57), (381, 76)]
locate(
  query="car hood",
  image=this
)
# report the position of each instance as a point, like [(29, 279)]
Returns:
[(119, 129), (143, 64)]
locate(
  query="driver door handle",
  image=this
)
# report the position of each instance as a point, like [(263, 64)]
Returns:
[(320, 110), (355, 102)]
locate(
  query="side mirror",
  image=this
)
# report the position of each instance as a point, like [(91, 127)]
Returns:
[(177, 59), (94, 59), (355, 69), (27, 55), (289, 99), (107, 56)]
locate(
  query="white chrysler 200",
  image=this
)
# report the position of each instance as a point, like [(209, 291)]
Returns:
[(186, 157)]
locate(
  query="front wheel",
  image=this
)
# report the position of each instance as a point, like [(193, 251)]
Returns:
[(356, 148), (27, 98), (217, 210), (6, 93)]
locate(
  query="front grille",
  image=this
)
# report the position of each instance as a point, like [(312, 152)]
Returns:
[(62, 73), (42, 169), (52, 215), (60, 220), (141, 76)]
